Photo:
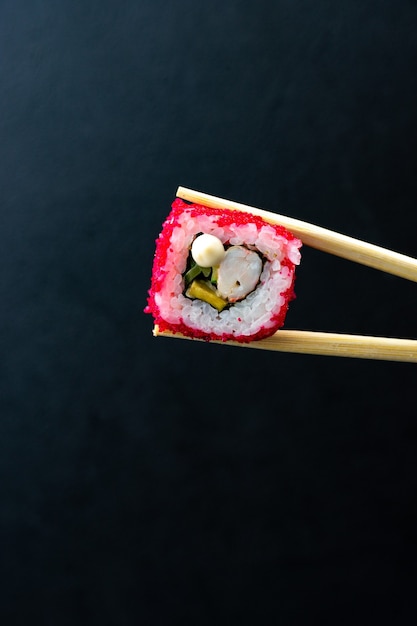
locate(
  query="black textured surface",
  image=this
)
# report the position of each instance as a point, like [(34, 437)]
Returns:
[(152, 481)]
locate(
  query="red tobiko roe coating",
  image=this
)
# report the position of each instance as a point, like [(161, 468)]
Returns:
[(226, 217)]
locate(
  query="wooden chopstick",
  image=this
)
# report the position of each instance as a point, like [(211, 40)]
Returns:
[(320, 238), (326, 344), (320, 343)]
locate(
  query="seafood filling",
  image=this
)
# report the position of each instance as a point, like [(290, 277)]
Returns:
[(238, 273)]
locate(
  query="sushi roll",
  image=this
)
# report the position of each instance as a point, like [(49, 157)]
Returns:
[(221, 274)]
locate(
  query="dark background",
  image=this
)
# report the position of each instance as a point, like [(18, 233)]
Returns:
[(157, 481)]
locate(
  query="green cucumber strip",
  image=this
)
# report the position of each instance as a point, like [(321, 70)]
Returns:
[(214, 274), (195, 271), (192, 273)]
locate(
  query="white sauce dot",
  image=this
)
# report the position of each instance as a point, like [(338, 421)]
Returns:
[(207, 250)]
